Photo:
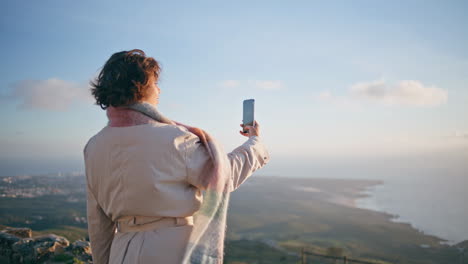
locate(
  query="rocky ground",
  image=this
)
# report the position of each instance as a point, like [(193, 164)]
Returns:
[(17, 246)]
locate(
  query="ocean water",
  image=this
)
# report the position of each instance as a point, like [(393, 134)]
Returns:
[(433, 201)]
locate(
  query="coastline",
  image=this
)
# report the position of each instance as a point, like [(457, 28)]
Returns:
[(351, 197), (367, 201), (319, 213), (361, 196)]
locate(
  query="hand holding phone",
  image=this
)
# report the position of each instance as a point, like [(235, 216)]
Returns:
[(251, 130)]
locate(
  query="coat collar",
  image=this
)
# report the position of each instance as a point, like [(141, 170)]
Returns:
[(123, 117)]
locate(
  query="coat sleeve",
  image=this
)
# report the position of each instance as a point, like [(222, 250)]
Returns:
[(246, 159), (243, 161), (101, 229)]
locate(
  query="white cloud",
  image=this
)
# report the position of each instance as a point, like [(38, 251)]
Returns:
[(52, 94), (268, 85), (410, 93), (460, 134), (325, 96), (340, 101), (230, 83)]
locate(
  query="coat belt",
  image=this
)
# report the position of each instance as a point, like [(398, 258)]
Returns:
[(146, 223)]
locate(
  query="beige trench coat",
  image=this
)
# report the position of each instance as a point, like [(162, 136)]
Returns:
[(151, 170)]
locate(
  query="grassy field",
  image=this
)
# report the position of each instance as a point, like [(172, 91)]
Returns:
[(42, 213)]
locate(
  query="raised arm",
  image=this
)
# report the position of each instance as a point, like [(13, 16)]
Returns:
[(246, 159), (243, 160)]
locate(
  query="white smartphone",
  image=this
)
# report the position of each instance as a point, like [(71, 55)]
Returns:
[(248, 116)]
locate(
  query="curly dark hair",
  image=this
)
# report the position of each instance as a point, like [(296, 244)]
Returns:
[(124, 79)]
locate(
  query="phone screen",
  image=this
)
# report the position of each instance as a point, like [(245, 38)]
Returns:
[(248, 117)]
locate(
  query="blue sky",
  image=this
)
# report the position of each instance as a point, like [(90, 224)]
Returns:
[(335, 82)]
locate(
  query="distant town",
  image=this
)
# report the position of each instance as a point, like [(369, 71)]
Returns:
[(28, 186), (43, 200)]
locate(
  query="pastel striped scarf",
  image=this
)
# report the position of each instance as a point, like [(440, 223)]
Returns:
[(206, 243)]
